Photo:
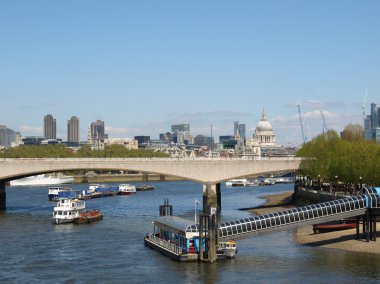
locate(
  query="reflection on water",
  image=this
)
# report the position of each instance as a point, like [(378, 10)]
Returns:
[(33, 250)]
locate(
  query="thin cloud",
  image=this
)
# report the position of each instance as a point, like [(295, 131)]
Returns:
[(31, 130)]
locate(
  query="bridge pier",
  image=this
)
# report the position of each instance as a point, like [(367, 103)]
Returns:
[(210, 220), (3, 197)]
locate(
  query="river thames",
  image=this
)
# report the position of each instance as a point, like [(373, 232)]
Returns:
[(34, 250)]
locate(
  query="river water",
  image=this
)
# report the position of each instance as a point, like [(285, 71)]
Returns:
[(33, 250)]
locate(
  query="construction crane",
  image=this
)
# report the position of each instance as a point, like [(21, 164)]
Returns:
[(324, 123), (301, 124)]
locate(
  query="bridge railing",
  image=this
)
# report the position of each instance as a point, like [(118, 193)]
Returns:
[(338, 208), (156, 159)]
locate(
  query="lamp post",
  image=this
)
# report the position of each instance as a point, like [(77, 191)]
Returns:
[(360, 182), (336, 182), (319, 182), (195, 210)]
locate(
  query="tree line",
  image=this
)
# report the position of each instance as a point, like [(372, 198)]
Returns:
[(347, 159), (62, 151)]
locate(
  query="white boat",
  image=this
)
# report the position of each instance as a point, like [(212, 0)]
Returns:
[(242, 182), (126, 189), (42, 180), (67, 209), (55, 190), (253, 183), (237, 182), (228, 248)]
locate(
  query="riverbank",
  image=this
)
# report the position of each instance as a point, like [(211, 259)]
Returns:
[(343, 240)]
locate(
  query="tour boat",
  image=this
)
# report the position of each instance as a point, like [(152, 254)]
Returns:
[(67, 209), (126, 189)]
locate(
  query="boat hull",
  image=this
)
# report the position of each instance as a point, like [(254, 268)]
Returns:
[(126, 193), (89, 217), (324, 228)]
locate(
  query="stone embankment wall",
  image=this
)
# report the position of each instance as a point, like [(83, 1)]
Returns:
[(304, 196)]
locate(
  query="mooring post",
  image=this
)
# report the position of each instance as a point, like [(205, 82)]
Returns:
[(367, 221), (210, 208), (3, 196)]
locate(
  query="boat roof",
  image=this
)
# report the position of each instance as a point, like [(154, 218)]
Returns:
[(176, 224)]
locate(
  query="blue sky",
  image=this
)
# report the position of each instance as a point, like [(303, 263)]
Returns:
[(143, 65)]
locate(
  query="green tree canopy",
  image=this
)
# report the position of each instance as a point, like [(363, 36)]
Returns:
[(348, 159), (61, 151)]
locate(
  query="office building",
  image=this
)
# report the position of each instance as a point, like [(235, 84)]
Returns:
[(97, 131), (241, 130), (372, 123), (50, 127), (73, 131), (143, 141), (236, 127)]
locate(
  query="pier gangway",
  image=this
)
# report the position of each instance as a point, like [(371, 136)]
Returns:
[(347, 207)]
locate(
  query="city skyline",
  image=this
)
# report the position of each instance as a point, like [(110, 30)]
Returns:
[(141, 68)]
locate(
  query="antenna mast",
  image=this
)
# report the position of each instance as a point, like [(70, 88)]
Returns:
[(301, 124)]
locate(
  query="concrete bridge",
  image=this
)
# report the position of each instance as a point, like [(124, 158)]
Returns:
[(199, 170), (208, 171)]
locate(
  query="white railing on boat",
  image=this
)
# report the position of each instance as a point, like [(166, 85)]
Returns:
[(165, 244)]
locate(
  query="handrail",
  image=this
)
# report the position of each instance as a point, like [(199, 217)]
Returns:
[(158, 159), (165, 244)]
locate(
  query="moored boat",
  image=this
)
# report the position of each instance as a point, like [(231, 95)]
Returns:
[(333, 226), (89, 216), (228, 248), (242, 182), (145, 187), (42, 180), (55, 192), (237, 182), (99, 190), (67, 209), (126, 189)]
